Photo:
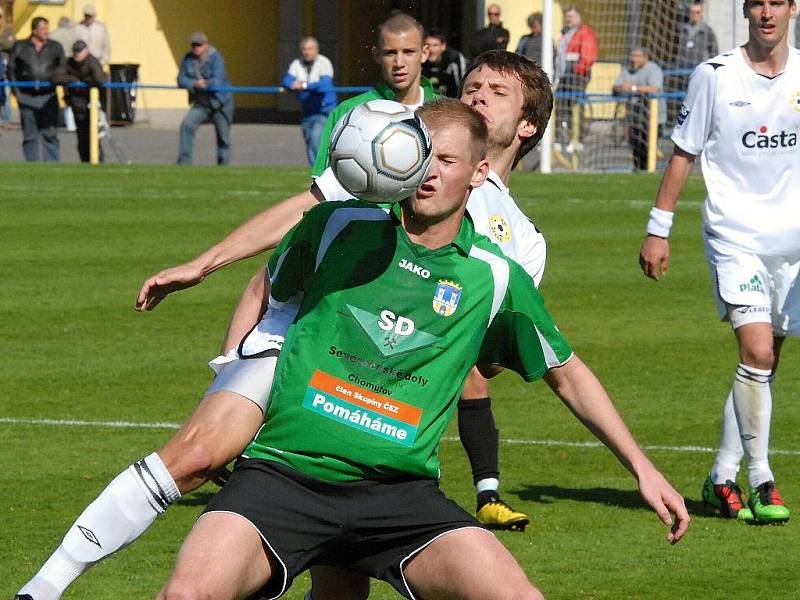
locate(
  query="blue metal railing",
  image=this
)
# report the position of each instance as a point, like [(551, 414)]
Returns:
[(117, 85)]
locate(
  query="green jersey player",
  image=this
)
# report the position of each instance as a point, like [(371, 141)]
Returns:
[(345, 471)]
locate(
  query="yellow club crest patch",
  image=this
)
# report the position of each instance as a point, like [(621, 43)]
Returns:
[(500, 229), (796, 101)]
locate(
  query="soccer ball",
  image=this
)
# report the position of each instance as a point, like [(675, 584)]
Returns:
[(380, 151)]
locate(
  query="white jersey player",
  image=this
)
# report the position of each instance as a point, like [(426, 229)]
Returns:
[(742, 112)]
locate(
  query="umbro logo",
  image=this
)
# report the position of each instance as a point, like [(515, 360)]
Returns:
[(739, 103), (89, 535)]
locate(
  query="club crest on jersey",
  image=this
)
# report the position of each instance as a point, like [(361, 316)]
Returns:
[(682, 114), (445, 300), (500, 229), (796, 101)]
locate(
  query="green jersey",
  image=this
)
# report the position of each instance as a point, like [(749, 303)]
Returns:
[(380, 92), (385, 333)]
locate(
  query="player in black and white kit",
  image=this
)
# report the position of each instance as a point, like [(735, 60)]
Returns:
[(742, 112)]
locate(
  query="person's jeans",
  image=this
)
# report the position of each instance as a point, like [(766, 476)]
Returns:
[(312, 133), (197, 115), (5, 109), (40, 122), (570, 83)]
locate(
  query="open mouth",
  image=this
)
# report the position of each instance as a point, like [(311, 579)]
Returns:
[(426, 190)]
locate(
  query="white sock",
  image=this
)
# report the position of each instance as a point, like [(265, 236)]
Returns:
[(731, 452), (752, 401), (488, 483), (119, 515)]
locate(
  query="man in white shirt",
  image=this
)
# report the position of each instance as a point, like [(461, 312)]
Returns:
[(95, 34), (742, 112)]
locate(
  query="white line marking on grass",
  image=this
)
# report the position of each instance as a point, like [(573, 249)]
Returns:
[(509, 441), (79, 423)]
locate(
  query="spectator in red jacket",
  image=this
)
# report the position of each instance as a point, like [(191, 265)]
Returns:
[(577, 52)]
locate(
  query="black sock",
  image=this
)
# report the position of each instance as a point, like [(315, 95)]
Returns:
[(485, 497), (479, 437)]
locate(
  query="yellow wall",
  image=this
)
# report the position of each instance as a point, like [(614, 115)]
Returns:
[(155, 35)]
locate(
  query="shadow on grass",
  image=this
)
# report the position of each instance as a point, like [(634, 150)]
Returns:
[(547, 494), (200, 498)]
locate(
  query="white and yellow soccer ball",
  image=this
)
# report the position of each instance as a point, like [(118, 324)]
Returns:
[(380, 151)]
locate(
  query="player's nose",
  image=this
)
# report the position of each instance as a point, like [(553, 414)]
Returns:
[(478, 96)]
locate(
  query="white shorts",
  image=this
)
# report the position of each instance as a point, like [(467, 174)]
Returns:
[(752, 288), (248, 377)]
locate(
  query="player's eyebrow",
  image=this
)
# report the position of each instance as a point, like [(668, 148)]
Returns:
[(499, 84)]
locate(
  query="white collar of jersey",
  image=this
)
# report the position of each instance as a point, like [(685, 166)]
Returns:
[(494, 178), (421, 99)]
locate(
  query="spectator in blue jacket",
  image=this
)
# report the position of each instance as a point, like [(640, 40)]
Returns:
[(202, 72), (311, 77)]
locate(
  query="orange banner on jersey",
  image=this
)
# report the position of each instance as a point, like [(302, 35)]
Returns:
[(354, 394)]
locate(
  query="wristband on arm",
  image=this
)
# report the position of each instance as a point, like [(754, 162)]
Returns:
[(660, 222)]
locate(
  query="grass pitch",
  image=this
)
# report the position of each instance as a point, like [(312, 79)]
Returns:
[(77, 242)]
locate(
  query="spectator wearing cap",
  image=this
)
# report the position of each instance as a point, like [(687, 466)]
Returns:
[(202, 71), (38, 59), (311, 77), (82, 67), (95, 34), (492, 37)]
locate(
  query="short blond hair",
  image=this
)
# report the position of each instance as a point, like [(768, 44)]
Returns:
[(445, 111)]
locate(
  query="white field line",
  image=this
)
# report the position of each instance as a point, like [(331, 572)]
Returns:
[(509, 441)]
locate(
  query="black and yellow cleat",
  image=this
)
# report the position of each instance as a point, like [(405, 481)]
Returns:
[(494, 513)]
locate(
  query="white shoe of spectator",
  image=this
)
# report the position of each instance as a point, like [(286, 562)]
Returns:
[(557, 146), (574, 147)]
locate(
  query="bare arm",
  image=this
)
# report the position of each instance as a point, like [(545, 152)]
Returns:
[(252, 306), (583, 394), (262, 232), (654, 254)]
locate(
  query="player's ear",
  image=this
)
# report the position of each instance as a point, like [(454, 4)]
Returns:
[(480, 173), (426, 52), (376, 54), (526, 129)]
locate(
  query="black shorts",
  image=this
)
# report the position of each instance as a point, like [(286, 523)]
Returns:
[(372, 527)]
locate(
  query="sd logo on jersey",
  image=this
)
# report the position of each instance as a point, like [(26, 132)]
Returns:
[(446, 297)]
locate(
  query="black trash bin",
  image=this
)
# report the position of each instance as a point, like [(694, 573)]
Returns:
[(122, 101)]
